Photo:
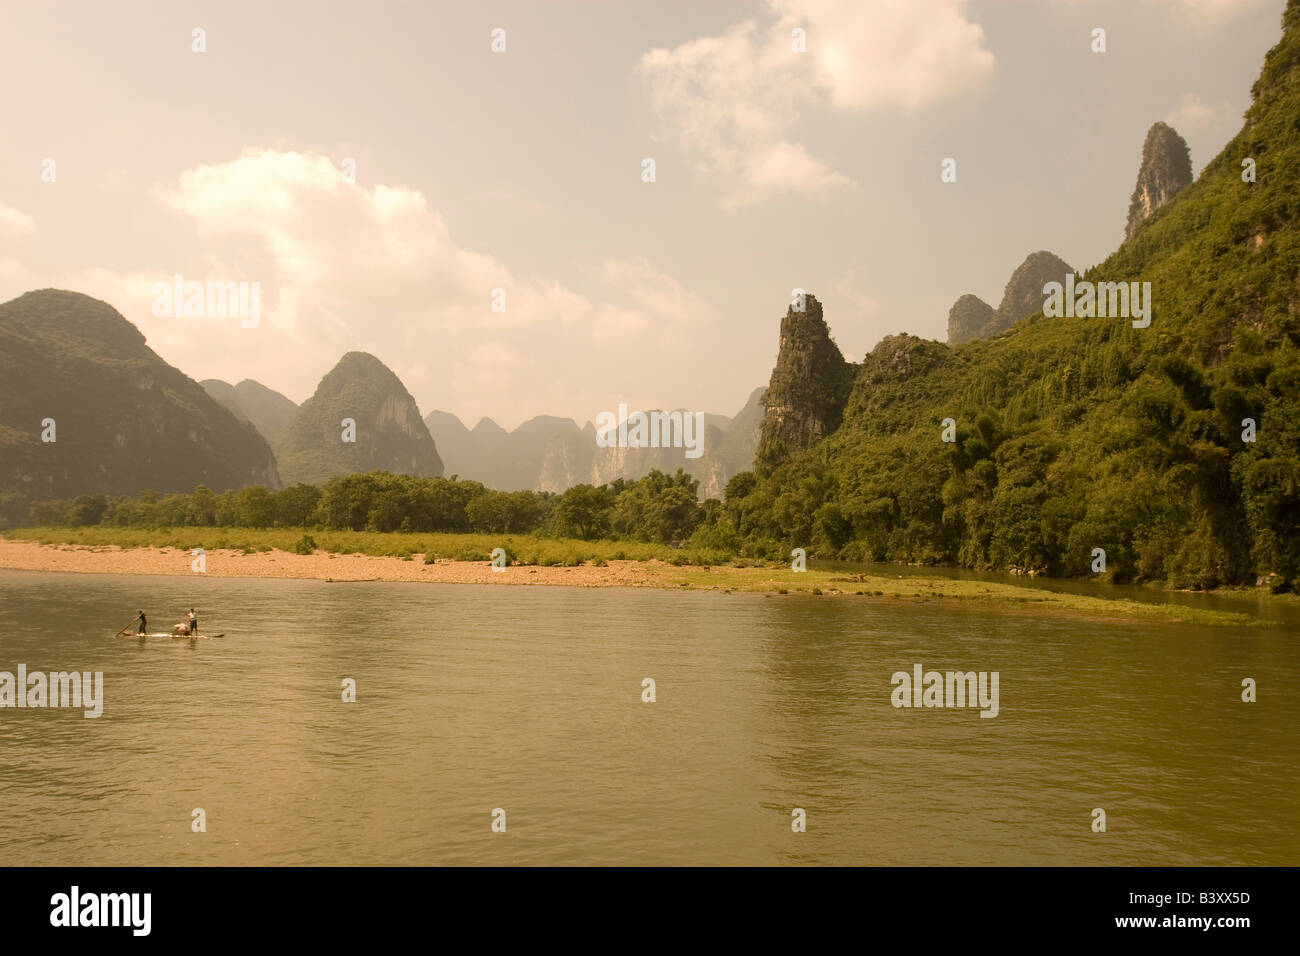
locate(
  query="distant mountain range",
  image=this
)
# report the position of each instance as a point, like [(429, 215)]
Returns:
[(268, 411), (551, 454), (545, 453), (86, 407)]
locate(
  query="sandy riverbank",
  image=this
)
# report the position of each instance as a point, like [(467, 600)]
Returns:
[(324, 566), (32, 556)]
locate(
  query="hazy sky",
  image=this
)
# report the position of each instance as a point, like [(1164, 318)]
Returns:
[(522, 170)]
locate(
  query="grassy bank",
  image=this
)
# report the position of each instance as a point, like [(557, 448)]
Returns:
[(939, 591)]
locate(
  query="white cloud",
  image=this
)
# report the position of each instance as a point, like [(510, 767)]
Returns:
[(14, 222), (735, 99), (346, 267), (643, 297), (1194, 117), (884, 53), (785, 165), (381, 246)]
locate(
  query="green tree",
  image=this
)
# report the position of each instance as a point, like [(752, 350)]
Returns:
[(296, 505), (583, 511), (255, 506)]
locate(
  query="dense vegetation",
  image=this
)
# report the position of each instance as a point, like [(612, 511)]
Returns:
[(1075, 434), (658, 508)]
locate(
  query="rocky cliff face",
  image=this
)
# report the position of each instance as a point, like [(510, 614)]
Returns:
[(809, 386), (1166, 170), (390, 435), (123, 419), (545, 453), (1022, 297), (610, 463), (566, 461)]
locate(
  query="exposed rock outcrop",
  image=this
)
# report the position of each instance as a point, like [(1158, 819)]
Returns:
[(809, 386), (1023, 295), (1166, 170)]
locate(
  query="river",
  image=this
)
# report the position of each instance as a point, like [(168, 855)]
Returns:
[(474, 698)]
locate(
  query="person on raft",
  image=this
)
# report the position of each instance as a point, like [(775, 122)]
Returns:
[(194, 621), (144, 624)]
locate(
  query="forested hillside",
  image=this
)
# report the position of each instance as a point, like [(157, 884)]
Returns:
[(1074, 434), (86, 407)]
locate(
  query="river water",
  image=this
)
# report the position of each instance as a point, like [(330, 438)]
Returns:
[(529, 699)]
